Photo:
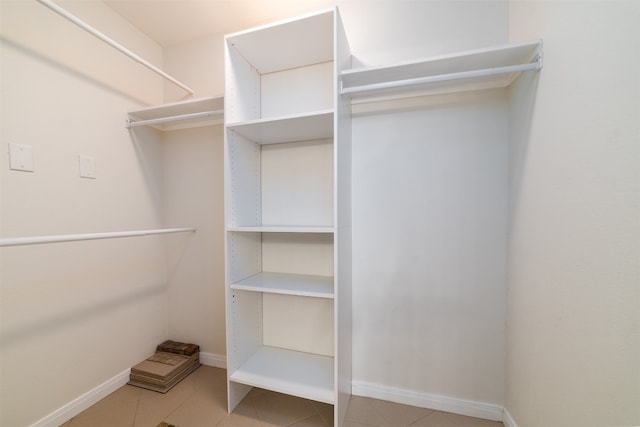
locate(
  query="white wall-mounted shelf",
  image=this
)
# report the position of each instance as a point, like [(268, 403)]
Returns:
[(288, 284), (299, 127), (470, 70), (180, 115), (282, 229), (287, 371)]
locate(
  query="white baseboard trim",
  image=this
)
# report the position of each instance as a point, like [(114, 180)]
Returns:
[(215, 360), (469, 408), (73, 408), (508, 420), (359, 388)]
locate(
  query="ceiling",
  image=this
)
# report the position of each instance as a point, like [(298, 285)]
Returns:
[(171, 22)]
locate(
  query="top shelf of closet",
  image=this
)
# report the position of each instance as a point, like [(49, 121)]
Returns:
[(465, 71), (179, 115), (301, 41)]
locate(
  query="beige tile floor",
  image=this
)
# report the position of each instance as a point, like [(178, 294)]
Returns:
[(200, 401)]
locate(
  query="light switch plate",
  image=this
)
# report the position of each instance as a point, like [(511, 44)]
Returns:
[(87, 167), (20, 157)]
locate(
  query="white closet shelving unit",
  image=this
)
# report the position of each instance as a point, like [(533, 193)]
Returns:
[(180, 115), (287, 210), (487, 68)]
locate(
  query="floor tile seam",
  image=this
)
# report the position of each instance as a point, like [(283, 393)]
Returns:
[(360, 423), (135, 414), (390, 420), (291, 423), (254, 407), (306, 418), (373, 410), (322, 417), (380, 411), (175, 409), (422, 418), (316, 412), (222, 417), (316, 408)]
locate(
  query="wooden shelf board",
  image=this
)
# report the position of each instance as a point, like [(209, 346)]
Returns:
[(299, 127), (469, 61), (288, 284), (305, 375), (282, 229), (182, 108)]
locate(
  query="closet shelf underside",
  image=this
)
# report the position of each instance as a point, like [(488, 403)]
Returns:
[(299, 127), (288, 284), (471, 70), (179, 115), (283, 229)]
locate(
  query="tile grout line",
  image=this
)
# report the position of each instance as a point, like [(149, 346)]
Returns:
[(422, 418), (185, 400), (135, 413)]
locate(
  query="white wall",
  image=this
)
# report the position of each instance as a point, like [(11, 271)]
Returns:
[(429, 247), (429, 214), (199, 62), (574, 266), (74, 315), (387, 31), (194, 196), (193, 163)]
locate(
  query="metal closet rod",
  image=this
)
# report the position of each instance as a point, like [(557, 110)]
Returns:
[(88, 28), (21, 241)]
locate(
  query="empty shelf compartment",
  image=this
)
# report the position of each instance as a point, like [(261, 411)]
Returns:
[(305, 375)]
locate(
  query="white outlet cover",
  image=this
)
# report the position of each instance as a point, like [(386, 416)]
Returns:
[(87, 167), (20, 157)]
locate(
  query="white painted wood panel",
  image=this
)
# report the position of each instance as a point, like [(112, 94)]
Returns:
[(246, 322), (300, 89), (242, 181), (182, 109), (469, 70), (244, 255), (287, 44), (242, 88), (317, 229), (291, 372), (298, 253), (290, 284), (287, 128), (279, 185), (297, 183), (342, 252), (298, 323)]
